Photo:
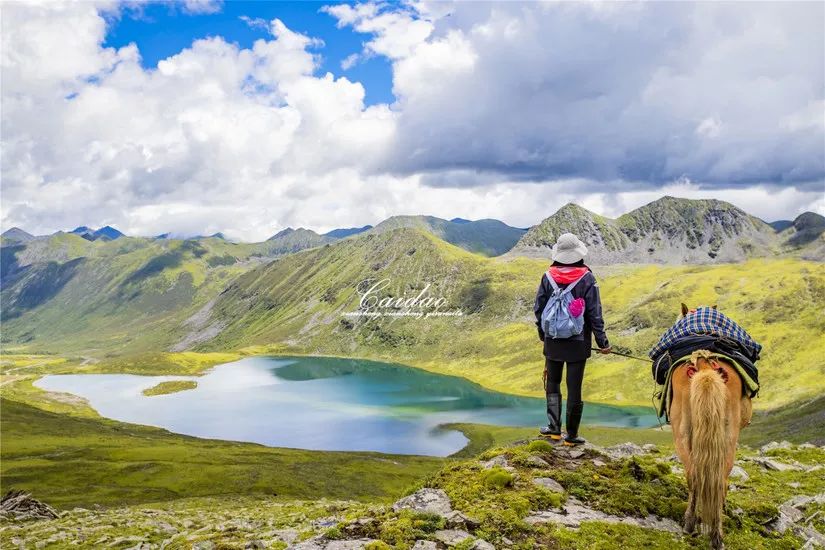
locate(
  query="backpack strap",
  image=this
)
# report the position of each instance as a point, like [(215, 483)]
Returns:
[(552, 282), (573, 284)]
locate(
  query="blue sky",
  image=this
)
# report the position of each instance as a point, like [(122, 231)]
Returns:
[(164, 29)]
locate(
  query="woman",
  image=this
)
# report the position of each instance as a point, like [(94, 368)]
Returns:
[(568, 268)]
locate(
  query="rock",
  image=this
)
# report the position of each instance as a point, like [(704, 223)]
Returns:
[(774, 445), (794, 485), (576, 453), (287, 535), (650, 448), (814, 468), (481, 544), (254, 545), (425, 545), (434, 501), (204, 545), (739, 473), (315, 543), (536, 462), (599, 463), (807, 446), (574, 513), (793, 514), (21, 506), (500, 461), (549, 483), (459, 519), (506, 542), (164, 527), (732, 487), (623, 450), (772, 464), (325, 523), (676, 469), (348, 544), (451, 537)]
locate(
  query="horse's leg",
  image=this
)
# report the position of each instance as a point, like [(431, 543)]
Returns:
[(680, 422)]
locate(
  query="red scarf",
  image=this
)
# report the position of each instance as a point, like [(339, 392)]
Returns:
[(566, 275)]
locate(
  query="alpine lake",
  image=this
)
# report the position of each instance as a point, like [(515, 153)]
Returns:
[(323, 403)]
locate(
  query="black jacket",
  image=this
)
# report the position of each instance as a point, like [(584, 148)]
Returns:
[(576, 348)]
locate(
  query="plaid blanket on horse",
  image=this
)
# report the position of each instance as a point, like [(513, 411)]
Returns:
[(707, 321)]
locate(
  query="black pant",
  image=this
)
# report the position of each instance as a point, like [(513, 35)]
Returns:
[(575, 375)]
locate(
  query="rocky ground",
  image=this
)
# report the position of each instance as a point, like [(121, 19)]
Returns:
[(529, 495)]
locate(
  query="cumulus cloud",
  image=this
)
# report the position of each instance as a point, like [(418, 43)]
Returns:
[(505, 110), (725, 94)]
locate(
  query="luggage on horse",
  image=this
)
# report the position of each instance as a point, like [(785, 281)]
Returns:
[(704, 329)]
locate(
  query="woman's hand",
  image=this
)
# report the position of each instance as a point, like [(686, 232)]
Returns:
[(606, 350)]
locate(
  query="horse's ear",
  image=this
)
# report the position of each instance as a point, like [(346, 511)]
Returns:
[(714, 306), (684, 309)]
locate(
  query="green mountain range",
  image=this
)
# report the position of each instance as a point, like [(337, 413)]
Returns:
[(133, 298)]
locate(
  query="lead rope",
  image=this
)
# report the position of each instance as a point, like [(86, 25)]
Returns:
[(652, 395)]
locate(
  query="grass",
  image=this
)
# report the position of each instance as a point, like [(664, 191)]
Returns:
[(172, 386), (74, 461)]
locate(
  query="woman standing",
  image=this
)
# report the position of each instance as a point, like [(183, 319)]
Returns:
[(568, 269)]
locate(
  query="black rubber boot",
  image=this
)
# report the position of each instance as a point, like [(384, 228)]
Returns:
[(574, 418), (553, 428)]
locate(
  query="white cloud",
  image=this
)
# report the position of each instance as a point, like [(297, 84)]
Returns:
[(505, 110)]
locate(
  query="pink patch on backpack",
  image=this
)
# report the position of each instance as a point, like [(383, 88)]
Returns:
[(576, 307)]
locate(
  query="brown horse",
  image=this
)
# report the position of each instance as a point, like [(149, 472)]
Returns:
[(707, 412)]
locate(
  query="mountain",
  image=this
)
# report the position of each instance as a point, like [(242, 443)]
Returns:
[(106, 233), (668, 230), (16, 235), (486, 237), (806, 236), (346, 232), (291, 240), (781, 225)]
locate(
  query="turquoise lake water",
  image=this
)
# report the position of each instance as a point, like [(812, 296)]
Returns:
[(323, 403)]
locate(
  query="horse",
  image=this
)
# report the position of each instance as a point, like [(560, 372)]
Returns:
[(707, 412)]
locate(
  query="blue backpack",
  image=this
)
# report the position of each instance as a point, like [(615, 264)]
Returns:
[(556, 319)]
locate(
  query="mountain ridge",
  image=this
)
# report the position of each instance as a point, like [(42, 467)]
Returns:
[(670, 230)]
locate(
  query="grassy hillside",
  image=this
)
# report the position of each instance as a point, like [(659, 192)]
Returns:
[(124, 311), (299, 302)]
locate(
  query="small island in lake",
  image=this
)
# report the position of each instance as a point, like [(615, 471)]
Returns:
[(171, 386)]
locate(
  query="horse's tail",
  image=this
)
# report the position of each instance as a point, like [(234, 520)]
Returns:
[(708, 443)]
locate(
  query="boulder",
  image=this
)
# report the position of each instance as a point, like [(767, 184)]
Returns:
[(357, 544), (497, 461), (739, 473), (425, 545), (549, 483), (459, 519), (774, 445), (624, 450), (536, 462), (433, 501), (776, 465), (574, 513), (451, 537)]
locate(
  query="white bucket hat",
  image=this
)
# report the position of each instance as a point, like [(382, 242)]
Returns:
[(568, 249)]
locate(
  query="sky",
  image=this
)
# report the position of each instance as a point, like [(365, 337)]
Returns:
[(198, 116)]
